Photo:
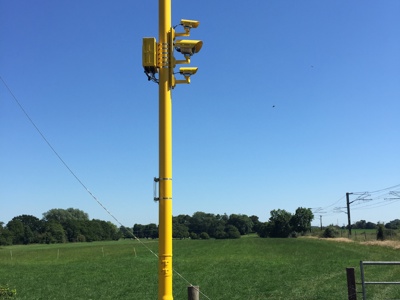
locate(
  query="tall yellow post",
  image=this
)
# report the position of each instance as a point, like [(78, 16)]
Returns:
[(165, 157)]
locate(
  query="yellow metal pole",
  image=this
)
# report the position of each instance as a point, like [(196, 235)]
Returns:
[(165, 157)]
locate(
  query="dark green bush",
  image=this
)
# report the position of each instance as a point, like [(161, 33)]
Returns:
[(330, 232), (220, 234), (232, 232), (193, 236), (383, 233), (204, 236)]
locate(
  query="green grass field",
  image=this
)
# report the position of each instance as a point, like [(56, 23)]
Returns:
[(367, 234), (247, 268)]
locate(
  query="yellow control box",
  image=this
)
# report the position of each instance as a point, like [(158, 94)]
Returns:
[(149, 52)]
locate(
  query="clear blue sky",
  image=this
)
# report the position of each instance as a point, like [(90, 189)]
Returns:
[(294, 104)]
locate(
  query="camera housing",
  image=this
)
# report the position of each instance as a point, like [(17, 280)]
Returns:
[(188, 47), (188, 71), (189, 23)]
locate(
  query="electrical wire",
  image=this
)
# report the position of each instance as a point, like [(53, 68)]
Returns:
[(376, 205), (385, 189), (359, 203), (340, 199), (83, 185), (65, 164)]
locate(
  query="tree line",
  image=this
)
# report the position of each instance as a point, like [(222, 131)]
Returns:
[(203, 225), (74, 225), (362, 224), (57, 226)]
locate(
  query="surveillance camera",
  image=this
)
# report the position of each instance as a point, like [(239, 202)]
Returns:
[(188, 47), (188, 71), (189, 23)]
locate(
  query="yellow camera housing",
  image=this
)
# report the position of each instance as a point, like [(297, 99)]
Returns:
[(188, 47)]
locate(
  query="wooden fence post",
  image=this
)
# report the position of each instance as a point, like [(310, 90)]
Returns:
[(193, 292), (351, 284)]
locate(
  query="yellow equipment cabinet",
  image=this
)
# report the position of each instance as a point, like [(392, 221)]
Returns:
[(149, 54)]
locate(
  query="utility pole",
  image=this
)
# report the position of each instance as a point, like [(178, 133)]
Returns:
[(165, 160), (320, 221), (159, 58), (348, 212)]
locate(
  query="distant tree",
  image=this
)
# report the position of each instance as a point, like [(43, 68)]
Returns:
[(74, 230), (31, 221), (78, 214), (127, 233), (146, 231), (362, 224), (182, 219), (111, 230), (263, 230), (138, 231), (370, 225), (54, 233), (256, 223), (218, 223), (33, 227), (221, 234), (6, 237), (193, 236), (29, 236), (242, 222), (57, 226), (232, 232), (279, 223), (395, 224), (204, 236), (93, 230), (229, 232), (62, 215), (151, 231), (224, 218), (179, 231), (301, 220), (180, 226), (17, 230), (202, 222)]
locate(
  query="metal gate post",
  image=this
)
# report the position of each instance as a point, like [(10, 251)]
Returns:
[(362, 280)]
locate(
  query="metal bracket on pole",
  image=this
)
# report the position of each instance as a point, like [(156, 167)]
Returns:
[(156, 180), (156, 191)]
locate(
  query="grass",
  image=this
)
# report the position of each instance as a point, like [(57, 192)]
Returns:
[(362, 235), (247, 268)]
